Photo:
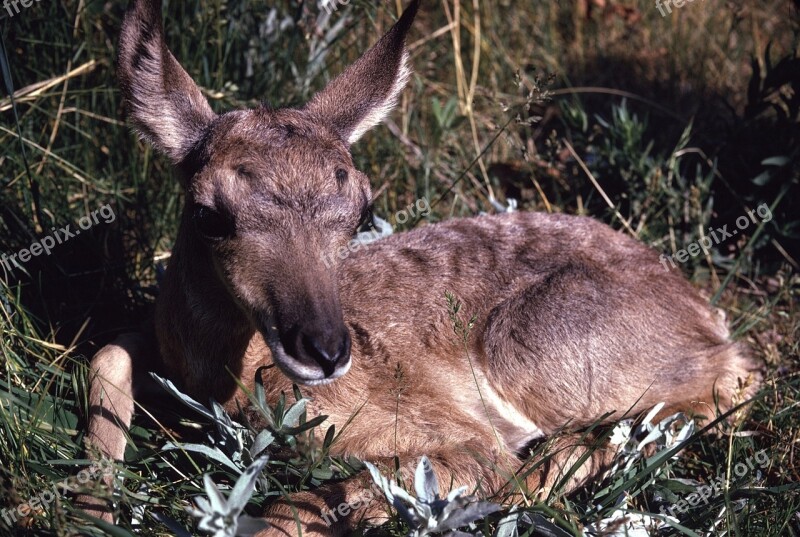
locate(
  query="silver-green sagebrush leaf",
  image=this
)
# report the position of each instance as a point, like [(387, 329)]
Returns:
[(428, 514), (222, 517), (170, 387), (213, 453)]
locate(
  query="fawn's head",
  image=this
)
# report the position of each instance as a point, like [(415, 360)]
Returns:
[(269, 193)]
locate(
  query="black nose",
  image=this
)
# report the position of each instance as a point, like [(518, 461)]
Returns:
[(327, 352), (325, 348)]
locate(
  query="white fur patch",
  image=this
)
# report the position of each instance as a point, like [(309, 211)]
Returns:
[(382, 110), (515, 429)]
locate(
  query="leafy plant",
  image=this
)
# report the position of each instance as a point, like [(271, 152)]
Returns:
[(429, 514), (666, 436), (224, 518), (238, 450)]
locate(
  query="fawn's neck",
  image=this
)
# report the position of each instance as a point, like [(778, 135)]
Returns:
[(203, 335)]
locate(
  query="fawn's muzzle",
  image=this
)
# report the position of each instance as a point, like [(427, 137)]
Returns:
[(304, 325), (313, 351), (323, 347)]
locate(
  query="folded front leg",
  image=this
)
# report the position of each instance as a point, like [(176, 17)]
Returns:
[(111, 401)]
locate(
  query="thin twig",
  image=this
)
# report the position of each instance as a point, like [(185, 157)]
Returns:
[(600, 189)]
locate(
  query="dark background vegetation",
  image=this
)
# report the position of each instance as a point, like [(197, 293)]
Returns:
[(684, 122)]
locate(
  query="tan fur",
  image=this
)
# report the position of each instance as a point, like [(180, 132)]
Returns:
[(573, 319)]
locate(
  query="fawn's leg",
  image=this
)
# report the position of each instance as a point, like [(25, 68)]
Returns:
[(331, 510), (336, 509), (562, 458), (111, 401), (489, 470)]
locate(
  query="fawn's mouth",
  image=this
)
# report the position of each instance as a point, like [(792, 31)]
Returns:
[(301, 373), (303, 370)]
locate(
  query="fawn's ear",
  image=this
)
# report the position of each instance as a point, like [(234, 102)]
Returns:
[(367, 91), (162, 101)]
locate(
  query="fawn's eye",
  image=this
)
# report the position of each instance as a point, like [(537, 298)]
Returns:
[(341, 177), (244, 172), (211, 224)]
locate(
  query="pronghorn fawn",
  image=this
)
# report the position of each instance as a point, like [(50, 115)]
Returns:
[(573, 319)]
